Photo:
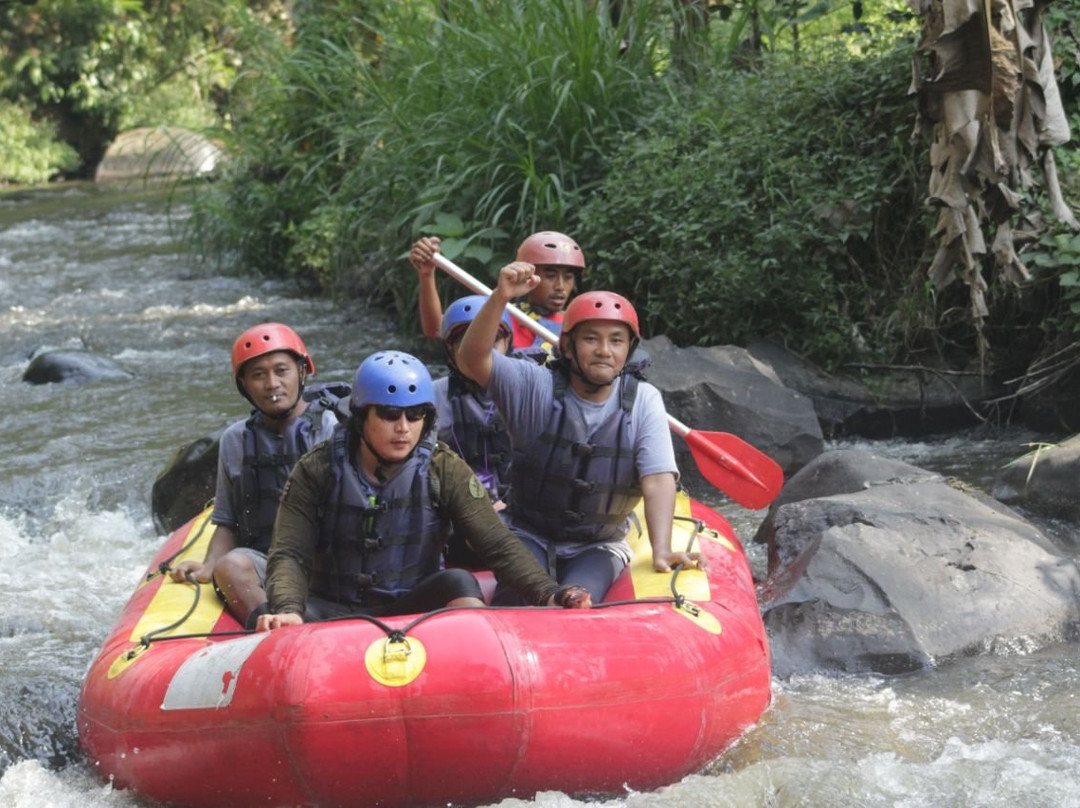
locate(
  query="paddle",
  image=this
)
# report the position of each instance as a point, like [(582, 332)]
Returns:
[(747, 475)]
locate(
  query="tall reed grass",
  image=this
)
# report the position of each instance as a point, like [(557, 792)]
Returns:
[(481, 127)]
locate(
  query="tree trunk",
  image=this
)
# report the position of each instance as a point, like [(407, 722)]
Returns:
[(988, 96)]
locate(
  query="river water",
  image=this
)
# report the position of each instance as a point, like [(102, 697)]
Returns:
[(84, 268)]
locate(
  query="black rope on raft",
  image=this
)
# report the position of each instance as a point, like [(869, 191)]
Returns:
[(146, 639), (680, 600), (677, 598), (394, 634), (399, 634)]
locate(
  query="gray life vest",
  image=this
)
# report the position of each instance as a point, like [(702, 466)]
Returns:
[(477, 433), (268, 459), (569, 487), (377, 541)]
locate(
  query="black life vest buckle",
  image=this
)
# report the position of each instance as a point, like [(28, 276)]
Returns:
[(364, 580), (583, 486), (582, 449), (374, 509)]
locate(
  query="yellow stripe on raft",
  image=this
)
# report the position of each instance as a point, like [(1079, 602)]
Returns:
[(174, 599), (692, 584)]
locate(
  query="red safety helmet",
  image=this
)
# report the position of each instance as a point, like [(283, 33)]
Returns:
[(266, 338), (600, 306), (552, 249)]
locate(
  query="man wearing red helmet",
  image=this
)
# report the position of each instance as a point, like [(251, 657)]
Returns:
[(270, 365), (590, 439), (560, 266)]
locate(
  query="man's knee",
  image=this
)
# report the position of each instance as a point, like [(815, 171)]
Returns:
[(234, 568), (460, 583)]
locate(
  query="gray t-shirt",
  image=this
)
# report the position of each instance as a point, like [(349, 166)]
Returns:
[(524, 394)]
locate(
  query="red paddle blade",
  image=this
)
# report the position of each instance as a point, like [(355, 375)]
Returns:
[(747, 475)]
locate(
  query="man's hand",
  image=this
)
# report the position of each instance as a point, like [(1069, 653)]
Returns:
[(268, 622), (200, 571), (422, 255), (571, 597), (517, 280), (663, 562)]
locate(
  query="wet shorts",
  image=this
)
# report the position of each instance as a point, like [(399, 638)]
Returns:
[(434, 592), (258, 561)]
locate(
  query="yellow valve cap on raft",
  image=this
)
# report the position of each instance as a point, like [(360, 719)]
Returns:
[(395, 662)]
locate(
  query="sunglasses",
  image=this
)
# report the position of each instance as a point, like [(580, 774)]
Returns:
[(393, 414)]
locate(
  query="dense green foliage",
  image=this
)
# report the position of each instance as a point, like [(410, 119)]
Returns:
[(95, 67), (513, 117), (745, 173), (789, 205), (492, 123), (29, 150), (1051, 305)]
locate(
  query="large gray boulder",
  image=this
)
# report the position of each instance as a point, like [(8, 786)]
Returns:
[(73, 367), (723, 389), (1045, 481), (896, 570), (882, 401), (158, 153), (186, 484)]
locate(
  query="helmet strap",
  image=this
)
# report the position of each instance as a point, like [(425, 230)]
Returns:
[(381, 463)]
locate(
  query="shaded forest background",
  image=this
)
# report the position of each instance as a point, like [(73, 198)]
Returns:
[(739, 169)]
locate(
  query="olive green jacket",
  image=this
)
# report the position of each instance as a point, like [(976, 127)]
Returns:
[(459, 497)]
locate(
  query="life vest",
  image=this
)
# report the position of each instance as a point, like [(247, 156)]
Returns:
[(524, 338), (569, 487), (542, 354), (268, 459), (377, 541), (476, 432)]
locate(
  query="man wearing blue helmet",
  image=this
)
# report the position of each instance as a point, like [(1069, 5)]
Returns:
[(363, 517), (468, 421)]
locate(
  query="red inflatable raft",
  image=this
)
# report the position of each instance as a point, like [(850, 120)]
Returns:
[(457, 706)]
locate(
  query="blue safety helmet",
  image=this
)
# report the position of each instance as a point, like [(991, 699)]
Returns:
[(393, 378), (462, 312)]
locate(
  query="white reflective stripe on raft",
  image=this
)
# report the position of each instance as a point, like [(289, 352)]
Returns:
[(207, 679)]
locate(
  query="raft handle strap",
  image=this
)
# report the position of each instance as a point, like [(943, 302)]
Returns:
[(680, 600), (396, 638)]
